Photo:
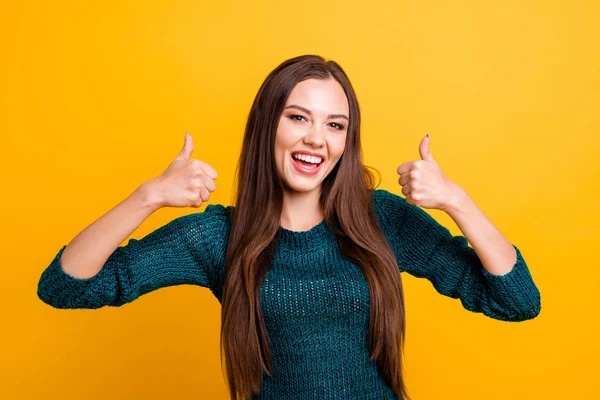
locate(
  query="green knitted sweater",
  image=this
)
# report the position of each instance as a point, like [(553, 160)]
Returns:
[(315, 302)]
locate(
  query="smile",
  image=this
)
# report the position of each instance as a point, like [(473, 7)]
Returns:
[(306, 167)]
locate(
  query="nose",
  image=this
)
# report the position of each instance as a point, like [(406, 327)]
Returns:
[(316, 136)]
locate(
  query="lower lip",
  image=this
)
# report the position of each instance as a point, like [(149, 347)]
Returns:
[(301, 168)]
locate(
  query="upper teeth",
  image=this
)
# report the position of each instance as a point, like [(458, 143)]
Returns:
[(310, 159)]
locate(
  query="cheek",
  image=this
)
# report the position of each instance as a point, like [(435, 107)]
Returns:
[(336, 148), (288, 136), (279, 158), (280, 149), (280, 154), (284, 138)]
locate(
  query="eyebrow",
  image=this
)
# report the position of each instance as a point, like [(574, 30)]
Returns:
[(306, 110)]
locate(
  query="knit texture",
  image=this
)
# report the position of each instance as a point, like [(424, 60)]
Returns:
[(315, 302)]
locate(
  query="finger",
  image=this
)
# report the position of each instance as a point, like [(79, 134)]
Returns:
[(405, 178), (404, 168), (204, 194), (209, 183), (206, 169), (424, 149), (188, 148), (198, 201), (406, 190)]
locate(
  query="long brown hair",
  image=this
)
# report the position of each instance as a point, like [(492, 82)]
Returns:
[(347, 204)]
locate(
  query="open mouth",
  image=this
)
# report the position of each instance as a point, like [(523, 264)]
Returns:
[(306, 164)]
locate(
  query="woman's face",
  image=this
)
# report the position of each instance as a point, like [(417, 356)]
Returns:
[(314, 120)]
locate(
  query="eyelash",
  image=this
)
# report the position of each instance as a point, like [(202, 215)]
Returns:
[(341, 127)]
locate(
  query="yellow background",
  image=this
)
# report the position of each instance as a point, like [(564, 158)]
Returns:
[(96, 98)]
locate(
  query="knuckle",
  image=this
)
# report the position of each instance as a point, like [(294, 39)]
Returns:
[(196, 164), (194, 197), (196, 184)]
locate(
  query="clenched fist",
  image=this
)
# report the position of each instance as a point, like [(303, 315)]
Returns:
[(187, 182)]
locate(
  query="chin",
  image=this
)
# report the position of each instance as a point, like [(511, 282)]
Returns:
[(295, 186)]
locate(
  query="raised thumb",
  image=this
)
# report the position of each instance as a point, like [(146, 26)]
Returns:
[(188, 148), (424, 149)]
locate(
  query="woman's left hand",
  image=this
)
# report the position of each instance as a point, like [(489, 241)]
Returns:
[(425, 184)]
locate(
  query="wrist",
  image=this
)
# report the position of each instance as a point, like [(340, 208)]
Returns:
[(148, 197), (458, 200)]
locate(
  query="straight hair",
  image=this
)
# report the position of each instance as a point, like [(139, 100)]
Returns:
[(346, 201)]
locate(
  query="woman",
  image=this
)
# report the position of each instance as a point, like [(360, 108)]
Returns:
[(306, 264)]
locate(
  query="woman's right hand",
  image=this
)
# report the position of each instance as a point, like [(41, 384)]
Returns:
[(187, 182)]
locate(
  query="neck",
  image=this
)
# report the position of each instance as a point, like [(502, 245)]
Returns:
[(301, 210)]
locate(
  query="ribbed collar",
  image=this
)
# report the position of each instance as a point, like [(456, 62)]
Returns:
[(308, 240)]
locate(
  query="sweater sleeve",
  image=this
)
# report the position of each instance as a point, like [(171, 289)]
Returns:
[(426, 249), (186, 250)]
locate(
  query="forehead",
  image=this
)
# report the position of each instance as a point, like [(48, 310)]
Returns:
[(320, 95)]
